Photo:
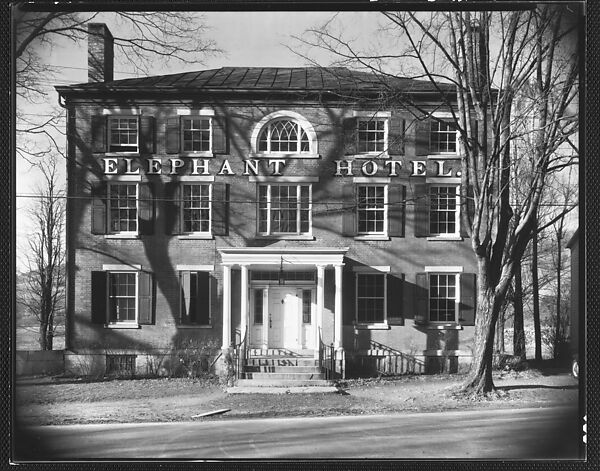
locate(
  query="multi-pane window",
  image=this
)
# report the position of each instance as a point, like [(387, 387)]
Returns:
[(283, 136), (196, 134), (306, 306), (123, 211), (370, 297), (443, 210), (442, 297), (371, 135), (258, 306), (442, 137), (122, 291), (284, 209), (372, 209), (196, 202), (123, 134)]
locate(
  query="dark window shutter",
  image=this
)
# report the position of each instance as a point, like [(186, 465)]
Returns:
[(98, 133), (422, 130), (396, 207), (396, 136), (467, 209), (99, 208), (350, 136), (349, 296), (421, 205), (145, 304), (147, 135), (468, 299), (173, 208), (395, 298), (172, 136), (220, 209), (146, 209), (99, 296), (203, 298), (422, 298), (184, 298), (348, 210), (219, 125)]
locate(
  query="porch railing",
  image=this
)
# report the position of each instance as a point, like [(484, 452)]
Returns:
[(391, 362), (240, 353), (329, 361)]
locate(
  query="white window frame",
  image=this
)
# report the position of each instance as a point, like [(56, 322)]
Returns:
[(384, 232), (135, 150), (367, 119), (197, 269), (184, 118), (182, 209), (456, 232), (437, 152), (269, 231), (110, 230), (134, 323), (456, 297), (284, 115), (372, 271), (268, 129)]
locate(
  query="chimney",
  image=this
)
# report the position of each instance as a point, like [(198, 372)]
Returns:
[(100, 53)]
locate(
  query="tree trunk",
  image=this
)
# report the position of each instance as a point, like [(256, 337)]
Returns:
[(43, 337), (489, 304), (536, 298), (557, 333), (519, 348), (500, 330)]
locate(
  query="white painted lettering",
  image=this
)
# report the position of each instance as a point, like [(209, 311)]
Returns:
[(154, 167), (418, 168), (129, 170), (440, 169), (394, 166), (250, 166), (175, 164), (373, 168), (343, 166), (225, 168), (196, 166), (277, 163), (110, 166)]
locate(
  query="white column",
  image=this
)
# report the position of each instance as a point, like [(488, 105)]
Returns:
[(337, 338), (244, 301), (320, 304), (226, 306)]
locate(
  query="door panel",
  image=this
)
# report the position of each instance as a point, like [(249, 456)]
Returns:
[(283, 318)]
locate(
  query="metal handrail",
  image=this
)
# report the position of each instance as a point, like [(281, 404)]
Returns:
[(327, 358), (240, 352), (412, 362)]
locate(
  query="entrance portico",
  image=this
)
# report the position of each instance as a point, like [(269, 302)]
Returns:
[(282, 295)]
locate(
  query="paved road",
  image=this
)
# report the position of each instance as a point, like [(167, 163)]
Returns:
[(510, 434)]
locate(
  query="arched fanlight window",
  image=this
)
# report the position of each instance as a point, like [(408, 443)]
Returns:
[(283, 135)]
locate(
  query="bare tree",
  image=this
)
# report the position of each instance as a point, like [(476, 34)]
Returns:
[(495, 60), (166, 36), (44, 293)]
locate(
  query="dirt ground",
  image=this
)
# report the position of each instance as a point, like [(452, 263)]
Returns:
[(45, 401)]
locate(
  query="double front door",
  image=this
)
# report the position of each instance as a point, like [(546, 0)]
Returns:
[(286, 317)]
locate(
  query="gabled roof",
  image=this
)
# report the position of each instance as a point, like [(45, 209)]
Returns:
[(263, 79)]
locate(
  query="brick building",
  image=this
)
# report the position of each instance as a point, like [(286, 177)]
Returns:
[(281, 209)]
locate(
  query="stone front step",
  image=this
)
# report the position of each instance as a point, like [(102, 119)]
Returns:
[(283, 383), (296, 376), (281, 352), (281, 361), (282, 369)]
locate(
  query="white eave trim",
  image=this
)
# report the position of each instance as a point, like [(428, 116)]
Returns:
[(115, 267), (268, 256), (195, 267), (444, 269)]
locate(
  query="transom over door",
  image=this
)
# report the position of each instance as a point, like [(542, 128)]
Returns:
[(283, 318)]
